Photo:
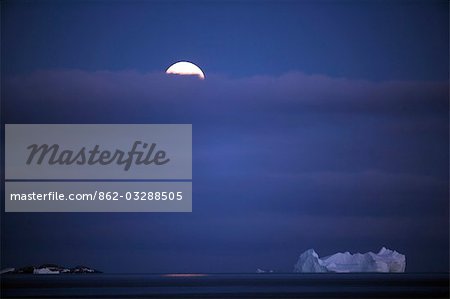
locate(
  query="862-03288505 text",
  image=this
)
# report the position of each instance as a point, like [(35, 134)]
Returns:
[(100, 195)]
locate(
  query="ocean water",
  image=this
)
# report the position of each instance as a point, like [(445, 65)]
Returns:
[(270, 285)]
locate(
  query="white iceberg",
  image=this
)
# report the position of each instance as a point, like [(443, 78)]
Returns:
[(384, 261)]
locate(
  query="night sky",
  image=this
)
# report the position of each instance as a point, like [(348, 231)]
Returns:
[(321, 124)]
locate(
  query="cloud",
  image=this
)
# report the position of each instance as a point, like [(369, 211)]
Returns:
[(320, 143), (291, 161), (367, 193), (219, 97)]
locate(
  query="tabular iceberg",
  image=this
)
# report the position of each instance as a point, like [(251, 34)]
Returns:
[(384, 261)]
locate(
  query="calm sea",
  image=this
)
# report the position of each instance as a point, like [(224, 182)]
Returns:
[(405, 285)]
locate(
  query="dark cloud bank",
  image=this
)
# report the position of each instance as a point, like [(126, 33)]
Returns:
[(281, 164)]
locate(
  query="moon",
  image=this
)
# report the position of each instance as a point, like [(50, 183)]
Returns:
[(185, 68)]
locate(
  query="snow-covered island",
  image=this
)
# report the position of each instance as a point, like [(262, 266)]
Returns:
[(384, 261), (51, 269)]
